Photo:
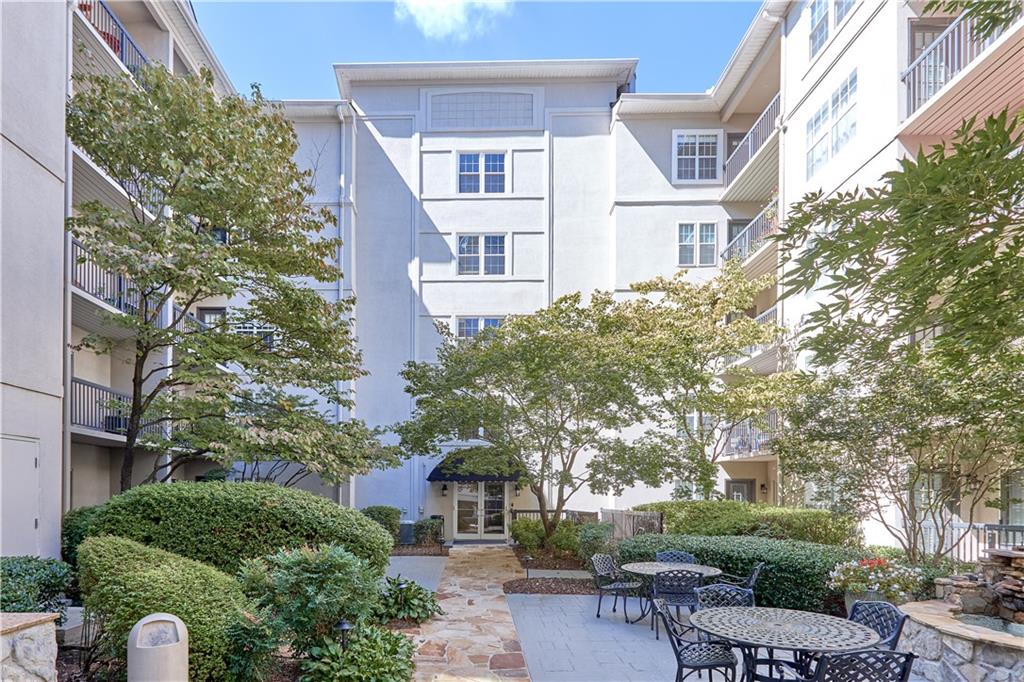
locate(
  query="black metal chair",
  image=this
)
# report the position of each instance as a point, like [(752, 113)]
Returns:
[(865, 665), (883, 618), (695, 657), (676, 588), (608, 579), (675, 556), (720, 594), (747, 582)]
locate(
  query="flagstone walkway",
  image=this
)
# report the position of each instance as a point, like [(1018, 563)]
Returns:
[(476, 638)]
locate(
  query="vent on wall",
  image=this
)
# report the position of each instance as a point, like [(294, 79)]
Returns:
[(481, 110)]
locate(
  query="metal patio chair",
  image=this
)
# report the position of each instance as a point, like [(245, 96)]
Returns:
[(696, 657), (608, 579)]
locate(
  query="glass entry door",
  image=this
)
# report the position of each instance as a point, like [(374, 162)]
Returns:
[(480, 510)]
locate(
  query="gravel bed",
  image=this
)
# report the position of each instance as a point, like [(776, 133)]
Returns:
[(549, 586)]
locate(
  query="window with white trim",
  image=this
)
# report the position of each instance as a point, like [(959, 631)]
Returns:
[(698, 244), (843, 8), (818, 11), (817, 140), (264, 332), (697, 155), (489, 175), (468, 327), (844, 113), (488, 260)]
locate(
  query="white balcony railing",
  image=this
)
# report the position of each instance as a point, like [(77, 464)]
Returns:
[(769, 316), (755, 138), (948, 55), (765, 224)]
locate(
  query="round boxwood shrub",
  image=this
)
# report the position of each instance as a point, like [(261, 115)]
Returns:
[(73, 529), (390, 518), (122, 581), (527, 533), (428, 531), (33, 585), (795, 574), (223, 524)]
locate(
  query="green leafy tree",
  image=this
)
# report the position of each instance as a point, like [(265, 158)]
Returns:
[(197, 167), (989, 15), (684, 339), (543, 395)]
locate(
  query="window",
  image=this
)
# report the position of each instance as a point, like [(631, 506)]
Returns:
[(698, 241), (844, 114), (819, 25), (211, 316), (468, 327), (736, 226), (1013, 499), (817, 140), (219, 234), (843, 8), (697, 155), (472, 262), (493, 176), (263, 331)]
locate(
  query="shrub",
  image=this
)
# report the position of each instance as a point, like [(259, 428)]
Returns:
[(730, 517), (74, 528), (309, 590), (224, 523), (594, 538), (31, 584), (256, 637), (373, 655), (389, 518), (428, 531), (528, 533), (123, 581), (896, 582), (796, 573), (564, 539), (405, 600)]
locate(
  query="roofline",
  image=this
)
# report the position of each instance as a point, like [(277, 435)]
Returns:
[(186, 12)]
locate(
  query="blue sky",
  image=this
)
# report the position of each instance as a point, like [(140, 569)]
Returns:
[(288, 47)]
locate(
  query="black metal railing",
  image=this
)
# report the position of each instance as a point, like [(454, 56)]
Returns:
[(752, 142), (114, 34), (102, 408), (747, 438), (111, 288)]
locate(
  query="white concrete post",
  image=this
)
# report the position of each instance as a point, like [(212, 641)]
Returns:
[(158, 649)]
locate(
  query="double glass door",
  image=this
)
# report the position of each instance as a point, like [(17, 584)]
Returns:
[(480, 510)]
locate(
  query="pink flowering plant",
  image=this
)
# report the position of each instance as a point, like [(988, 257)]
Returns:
[(893, 580)]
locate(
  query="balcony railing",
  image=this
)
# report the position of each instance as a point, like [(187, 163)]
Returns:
[(752, 142), (747, 439), (113, 33), (753, 235), (769, 316), (188, 322), (103, 409), (111, 288), (948, 55)]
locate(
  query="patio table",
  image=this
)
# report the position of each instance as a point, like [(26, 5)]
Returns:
[(801, 632), (646, 570)]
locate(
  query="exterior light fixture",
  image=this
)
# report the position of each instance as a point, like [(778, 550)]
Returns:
[(343, 627), (764, 488), (444, 490)]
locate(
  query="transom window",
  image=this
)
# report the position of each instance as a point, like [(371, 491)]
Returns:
[(474, 260), (698, 244), (697, 155), (490, 175), (819, 25), (468, 327)]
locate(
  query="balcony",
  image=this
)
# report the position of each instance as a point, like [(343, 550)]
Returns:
[(187, 322), (752, 170), (110, 45), (99, 414), (961, 75), (760, 358), (749, 440), (746, 247)]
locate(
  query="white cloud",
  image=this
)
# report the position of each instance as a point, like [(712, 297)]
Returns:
[(455, 19)]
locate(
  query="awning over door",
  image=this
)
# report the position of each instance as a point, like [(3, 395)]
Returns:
[(448, 471)]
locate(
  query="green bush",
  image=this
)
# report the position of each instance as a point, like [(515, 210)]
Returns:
[(33, 585), (373, 655), (405, 600), (74, 528), (795, 575), (224, 523), (565, 538), (428, 531), (390, 518), (594, 538), (309, 590), (528, 533), (123, 581), (730, 517), (256, 637)]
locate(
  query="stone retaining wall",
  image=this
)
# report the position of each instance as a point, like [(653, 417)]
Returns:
[(28, 647)]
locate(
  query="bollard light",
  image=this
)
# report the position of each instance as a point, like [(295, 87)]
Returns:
[(343, 627)]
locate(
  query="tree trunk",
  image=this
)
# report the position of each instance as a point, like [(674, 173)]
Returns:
[(127, 465)]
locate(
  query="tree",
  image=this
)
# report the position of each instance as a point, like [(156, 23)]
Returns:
[(908, 434), (543, 395), (683, 340), (198, 167)]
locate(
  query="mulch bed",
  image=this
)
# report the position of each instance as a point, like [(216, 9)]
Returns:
[(419, 550), (546, 559), (549, 586)]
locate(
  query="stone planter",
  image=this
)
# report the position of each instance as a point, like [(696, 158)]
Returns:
[(862, 596)]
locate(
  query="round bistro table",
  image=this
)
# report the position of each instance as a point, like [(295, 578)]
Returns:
[(802, 632), (646, 570)]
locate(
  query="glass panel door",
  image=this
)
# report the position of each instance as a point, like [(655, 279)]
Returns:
[(494, 508), (467, 509)]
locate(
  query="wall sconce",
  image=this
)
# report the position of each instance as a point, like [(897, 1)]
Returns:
[(444, 490), (519, 489), (764, 488)]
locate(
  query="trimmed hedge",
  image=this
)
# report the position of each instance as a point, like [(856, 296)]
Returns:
[(123, 581), (33, 585), (527, 533), (389, 518), (223, 524), (73, 529), (428, 531), (729, 517), (795, 574)]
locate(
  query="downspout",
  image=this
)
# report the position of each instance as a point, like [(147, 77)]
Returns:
[(68, 269), (342, 110)]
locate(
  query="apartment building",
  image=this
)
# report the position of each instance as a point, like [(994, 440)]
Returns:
[(61, 437)]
